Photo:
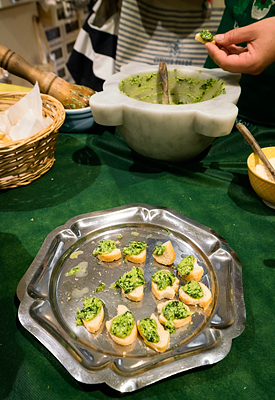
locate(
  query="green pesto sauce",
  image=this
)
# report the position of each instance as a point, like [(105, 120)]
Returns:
[(130, 280), (186, 265), (73, 271), (104, 247), (122, 325), (134, 248), (174, 310), (148, 328), (206, 35), (170, 326), (159, 250), (163, 279), (183, 88), (92, 306), (193, 289), (100, 287)]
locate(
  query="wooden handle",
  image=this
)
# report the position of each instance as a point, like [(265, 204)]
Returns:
[(16, 65), (256, 148), (164, 80), (70, 95)]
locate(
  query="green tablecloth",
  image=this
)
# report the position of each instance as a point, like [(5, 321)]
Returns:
[(98, 171)]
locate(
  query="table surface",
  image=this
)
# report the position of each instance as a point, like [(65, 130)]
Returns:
[(97, 171)]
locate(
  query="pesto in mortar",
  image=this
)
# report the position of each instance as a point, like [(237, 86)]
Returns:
[(183, 88)]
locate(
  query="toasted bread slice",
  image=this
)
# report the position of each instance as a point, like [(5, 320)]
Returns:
[(202, 302), (195, 274), (168, 256), (109, 257), (137, 259), (121, 309), (93, 325), (136, 294), (168, 293), (177, 322), (164, 337), (198, 38)]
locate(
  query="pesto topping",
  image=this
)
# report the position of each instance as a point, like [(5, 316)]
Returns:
[(134, 248), (122, 325), (159, 250), (186, 265), (170, 326), (193, 289), (92, 306), (104, 247), (148, 328), (130, 280), (174, 310), (163, 279), (206, 35), (73, 271)]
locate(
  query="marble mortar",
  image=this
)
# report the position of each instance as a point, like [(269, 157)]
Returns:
[(167, 132)]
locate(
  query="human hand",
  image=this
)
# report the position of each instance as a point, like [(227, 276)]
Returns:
[(258, 54)]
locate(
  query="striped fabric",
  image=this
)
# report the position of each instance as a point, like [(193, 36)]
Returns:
[(92, 60), (145, 31), (152, 34)]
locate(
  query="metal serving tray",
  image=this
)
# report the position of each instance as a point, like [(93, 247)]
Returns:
[(49, 298)]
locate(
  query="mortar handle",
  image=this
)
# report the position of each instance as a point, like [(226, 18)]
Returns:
[(16, 65)]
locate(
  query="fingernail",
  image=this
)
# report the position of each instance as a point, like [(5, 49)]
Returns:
[(219, 38)]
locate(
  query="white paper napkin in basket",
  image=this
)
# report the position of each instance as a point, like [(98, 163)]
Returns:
[(25, 118)]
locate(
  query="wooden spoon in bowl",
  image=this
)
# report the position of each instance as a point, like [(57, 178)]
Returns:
[(256, 148), (164, 80), (70, 95)]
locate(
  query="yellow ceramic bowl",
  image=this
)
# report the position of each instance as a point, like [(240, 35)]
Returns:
[(263, 187)]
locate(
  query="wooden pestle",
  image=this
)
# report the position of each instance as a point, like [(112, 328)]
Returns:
[(164, 80), (70, 95), (256, 148)]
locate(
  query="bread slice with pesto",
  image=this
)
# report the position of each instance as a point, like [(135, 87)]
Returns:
[(107, 251), (92, 314), (122, 328), (131, 284), (174, 314), (135, 252), (205, 36), (153, 333), (164, 254), (189, 269), (136, 294), (195, 293), (164, 285)]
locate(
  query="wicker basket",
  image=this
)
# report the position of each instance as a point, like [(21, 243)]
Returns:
[(25, 160)]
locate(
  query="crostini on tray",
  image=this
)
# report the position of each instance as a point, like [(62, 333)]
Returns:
[(122, 328), (107, 251)]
